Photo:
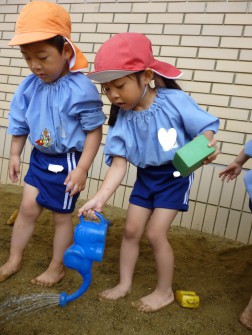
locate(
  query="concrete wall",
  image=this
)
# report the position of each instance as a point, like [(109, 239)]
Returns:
[(210, 41)]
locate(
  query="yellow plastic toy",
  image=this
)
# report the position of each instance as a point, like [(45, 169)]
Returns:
[(187, 299)]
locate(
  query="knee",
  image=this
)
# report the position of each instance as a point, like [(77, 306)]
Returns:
[(30, 209), (131, 233), (153, 237), (62, 218)]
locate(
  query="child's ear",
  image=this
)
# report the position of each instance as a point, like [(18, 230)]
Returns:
[(148, 75), (67, 51)]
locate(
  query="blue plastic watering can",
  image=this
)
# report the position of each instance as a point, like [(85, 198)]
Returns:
[(88, 246)]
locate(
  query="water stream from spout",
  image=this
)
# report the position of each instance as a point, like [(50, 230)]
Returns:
[(23, 306)]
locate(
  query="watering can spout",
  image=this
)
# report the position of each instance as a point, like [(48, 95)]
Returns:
[(88, 246), (65, 299)]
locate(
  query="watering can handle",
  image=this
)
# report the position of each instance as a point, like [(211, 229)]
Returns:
[(99, 215)]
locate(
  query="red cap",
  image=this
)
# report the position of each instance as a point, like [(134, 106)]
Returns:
[(127, 53)]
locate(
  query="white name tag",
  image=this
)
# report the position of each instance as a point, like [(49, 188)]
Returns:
[(55, 168)]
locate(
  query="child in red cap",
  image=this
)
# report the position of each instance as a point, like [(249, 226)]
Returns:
[(147, 126), (60, 110)]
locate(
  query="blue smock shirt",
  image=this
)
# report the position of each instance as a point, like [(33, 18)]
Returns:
[(248, 175), (151, 137), (56, 116)]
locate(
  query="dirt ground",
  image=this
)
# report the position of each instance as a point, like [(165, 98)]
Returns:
[(218, 270)]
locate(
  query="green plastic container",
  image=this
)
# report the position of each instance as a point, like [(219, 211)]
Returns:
[(192, 155)]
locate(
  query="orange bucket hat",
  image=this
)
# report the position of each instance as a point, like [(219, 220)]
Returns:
[(39, 21)]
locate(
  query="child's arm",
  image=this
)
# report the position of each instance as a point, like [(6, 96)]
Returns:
[(76, 180), (113, 179), (17, 145), (234, 169), (210, 136)]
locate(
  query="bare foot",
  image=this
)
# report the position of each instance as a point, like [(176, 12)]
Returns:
[(153, 302), (8, 269), (114, 293), (52, 276), (246, 319)]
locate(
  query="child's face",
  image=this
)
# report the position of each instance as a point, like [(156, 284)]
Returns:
[(45, 61), (127, 92)]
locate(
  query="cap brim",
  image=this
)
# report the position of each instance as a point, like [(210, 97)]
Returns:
[(165, 69), (31, 37), (107, 76), (161, 68)]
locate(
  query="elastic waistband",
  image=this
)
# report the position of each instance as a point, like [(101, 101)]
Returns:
[(56, 155), (163, 167)]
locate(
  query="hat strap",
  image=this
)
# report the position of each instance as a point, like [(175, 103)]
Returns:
[(72, 61)]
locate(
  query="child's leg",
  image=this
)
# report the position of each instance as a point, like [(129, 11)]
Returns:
[(157, 229), (246, 316), (22, 231), (63, 238), (136, 220)]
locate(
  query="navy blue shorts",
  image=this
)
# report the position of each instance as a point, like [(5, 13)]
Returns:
[(47, 173), (156, 187)]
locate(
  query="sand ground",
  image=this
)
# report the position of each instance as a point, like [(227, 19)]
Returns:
[(218, 270)]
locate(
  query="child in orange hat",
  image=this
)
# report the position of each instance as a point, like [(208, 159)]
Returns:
[(59, 109)]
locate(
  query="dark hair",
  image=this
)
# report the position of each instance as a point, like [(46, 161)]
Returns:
[(114, 110), (57, 42), (171, 83)]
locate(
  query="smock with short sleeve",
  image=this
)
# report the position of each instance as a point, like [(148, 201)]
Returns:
[(248, 175), (136, 135), (58, 115)]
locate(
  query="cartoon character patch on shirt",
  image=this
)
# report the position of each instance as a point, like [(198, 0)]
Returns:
[(45, 139)]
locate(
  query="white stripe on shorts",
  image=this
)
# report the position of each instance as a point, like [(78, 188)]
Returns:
[(186, 198), (71, 162)]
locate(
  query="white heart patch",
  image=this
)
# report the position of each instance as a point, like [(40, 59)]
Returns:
[(167, 138)]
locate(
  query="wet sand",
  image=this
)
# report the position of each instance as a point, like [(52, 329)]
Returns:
[(218, 270)]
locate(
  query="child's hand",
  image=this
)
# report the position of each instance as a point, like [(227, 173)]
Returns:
[(14, 168), (89, 207), (213, 156), (230, 172), (76, 181)]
